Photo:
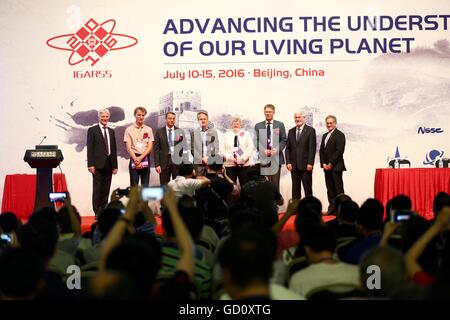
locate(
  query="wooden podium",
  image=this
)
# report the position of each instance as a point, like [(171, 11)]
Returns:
[(44, 159)]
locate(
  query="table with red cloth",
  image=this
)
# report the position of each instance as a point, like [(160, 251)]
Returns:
[(420, 184), (20, 190)]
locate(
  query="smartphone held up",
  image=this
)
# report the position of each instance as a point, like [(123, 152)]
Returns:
[(152, 193)]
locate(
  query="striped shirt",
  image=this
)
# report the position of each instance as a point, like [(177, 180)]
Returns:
[(202, 271)]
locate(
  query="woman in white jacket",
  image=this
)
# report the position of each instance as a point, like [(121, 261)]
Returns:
[(237, 149)]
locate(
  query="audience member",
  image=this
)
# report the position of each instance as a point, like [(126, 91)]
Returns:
[(246, 260), (186, 183), (40, 235), (392, 271), (21, 274), (319, 243), (192, 216), (368, 225), (264, 194)]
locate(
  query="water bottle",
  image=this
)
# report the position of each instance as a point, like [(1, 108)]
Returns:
[(396, 164)]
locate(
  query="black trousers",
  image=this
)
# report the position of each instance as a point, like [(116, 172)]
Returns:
[(300, 177), (240, 173), (275, 179), (135, 175), (335, 186), (101, 186), (168, 173)]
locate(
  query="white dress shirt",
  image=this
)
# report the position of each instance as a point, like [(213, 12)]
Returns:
[(328, 136)]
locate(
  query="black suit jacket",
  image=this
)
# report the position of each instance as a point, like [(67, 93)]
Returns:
[(334, 151), (162, 149), (303, 152), (96, 154), (280, 131)]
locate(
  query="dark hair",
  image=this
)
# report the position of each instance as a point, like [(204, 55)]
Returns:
[(136, 258), (248, 256), (46, 213), (40, 236), (142, 109), (338, 200), (21, 270), (348, 211), (63, 218), (106, 220), (309, 213), (311, 203), (191, 214), (185, 169), (254, 172), (202, 112), (370, 215), (170, 112), (441, 200), (319, 238), (9, 222), (399, 202), (215, 166), (304, 221), (244, 215), (151, 241), (115, 204), (139, 220)]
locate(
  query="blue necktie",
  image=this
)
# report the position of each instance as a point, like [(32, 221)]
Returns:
[(170, 141)]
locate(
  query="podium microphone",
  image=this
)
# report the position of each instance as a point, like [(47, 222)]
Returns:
[(42, 140)]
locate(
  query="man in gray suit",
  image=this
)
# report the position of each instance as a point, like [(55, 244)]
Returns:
[(271, 141), (300, 154), (204, 145)]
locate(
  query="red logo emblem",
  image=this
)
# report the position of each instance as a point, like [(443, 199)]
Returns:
[(92, 42)]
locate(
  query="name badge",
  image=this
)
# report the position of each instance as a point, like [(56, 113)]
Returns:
[(139, 145)]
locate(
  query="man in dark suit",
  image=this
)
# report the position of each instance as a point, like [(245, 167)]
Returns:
[(166, 138), (332, 159), (102, 160), (204, 145), (270, 143), (300, 154)]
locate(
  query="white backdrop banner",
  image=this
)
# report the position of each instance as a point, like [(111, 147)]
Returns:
[(381, 67)]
